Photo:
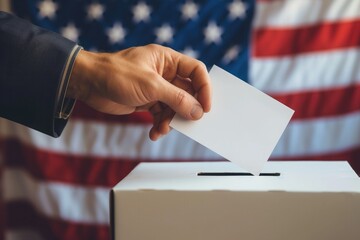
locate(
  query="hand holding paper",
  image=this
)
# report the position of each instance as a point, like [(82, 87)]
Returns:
[(243, 125)]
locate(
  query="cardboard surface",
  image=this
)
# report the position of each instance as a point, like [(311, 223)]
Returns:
[(309, 200), (294, 176)]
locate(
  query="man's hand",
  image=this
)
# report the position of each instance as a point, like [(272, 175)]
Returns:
[(153, 78)]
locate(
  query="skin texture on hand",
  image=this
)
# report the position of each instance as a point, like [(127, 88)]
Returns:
[(153, 78)]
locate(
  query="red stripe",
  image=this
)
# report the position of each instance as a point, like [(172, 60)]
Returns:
[(82, 111), (322, 103), (307, 104), (52, 166), (107, 171), (74, 169), (22, 215), (290, 41), (350, 155)]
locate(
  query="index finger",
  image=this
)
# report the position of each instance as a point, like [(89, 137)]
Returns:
[(195, 70)]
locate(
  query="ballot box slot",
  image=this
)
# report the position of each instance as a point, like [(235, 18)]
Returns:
[(275, 174)]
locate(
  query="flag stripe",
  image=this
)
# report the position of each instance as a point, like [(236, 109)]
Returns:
[(57, 200), (322, 103), (48, 227), (46, 165), (351, 155), (176, 146), (293, 13), (291, 41), (110, 140), (320, 70), (328, 135), (343, 99), (82, 111), (306, 54)]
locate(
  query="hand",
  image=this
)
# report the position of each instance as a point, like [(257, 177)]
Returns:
[(152, 77)]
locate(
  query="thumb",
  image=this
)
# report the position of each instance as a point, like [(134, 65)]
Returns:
[(180, 101)]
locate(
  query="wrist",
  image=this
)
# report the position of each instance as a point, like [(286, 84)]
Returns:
[(79, 85)]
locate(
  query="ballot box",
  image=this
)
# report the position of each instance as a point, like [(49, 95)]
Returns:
[(219, 201)]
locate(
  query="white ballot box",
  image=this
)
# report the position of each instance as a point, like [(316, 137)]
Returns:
[(218, 201)]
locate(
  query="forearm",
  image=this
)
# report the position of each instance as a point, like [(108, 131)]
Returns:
[(32, 63)]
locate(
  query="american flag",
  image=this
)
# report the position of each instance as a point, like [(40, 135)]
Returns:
[(305, 53)]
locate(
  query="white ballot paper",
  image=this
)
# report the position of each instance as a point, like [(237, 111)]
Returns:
[(244, 124)]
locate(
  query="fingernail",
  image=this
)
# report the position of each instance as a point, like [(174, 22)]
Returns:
[(196, 111)]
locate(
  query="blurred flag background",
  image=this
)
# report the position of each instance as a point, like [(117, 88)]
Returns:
[(305, 53)]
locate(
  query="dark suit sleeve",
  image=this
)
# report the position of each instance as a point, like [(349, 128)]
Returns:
[(32, 63)]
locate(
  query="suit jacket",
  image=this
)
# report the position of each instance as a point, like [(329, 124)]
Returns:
[(32, 63)]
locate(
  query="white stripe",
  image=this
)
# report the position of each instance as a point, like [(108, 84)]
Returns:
[(293, 13), (302, 137), (320, 70), (58, 200), (320, 136), (22, 234), (110, 140)]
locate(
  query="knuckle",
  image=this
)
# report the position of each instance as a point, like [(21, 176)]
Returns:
[(153, 46), (152, 87), (202, 65), (180, 97)]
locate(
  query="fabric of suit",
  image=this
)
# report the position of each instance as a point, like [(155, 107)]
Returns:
[(32, 62)]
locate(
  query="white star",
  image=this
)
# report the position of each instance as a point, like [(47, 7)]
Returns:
[(189, 10), (231, 54), (190, 52), (237, 9), (213, 33), (164, 34), (141, 12), (95, 11), (47, 8), (70, 32), (116, 34)]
